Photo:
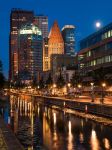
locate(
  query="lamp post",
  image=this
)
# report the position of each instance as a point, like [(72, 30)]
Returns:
[(79, 88), (38, 87), (68, 87), (92, 91), (54, 87), (103, 85)]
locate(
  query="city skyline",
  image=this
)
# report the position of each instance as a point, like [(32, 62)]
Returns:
[(84, 12)]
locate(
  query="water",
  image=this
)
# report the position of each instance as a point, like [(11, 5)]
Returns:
[(40, 127)]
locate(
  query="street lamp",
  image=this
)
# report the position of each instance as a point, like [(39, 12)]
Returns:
[(38, 87), (79, 87), (103, 85), (92, 91), (102, 92), (54, 86), (68, 87)]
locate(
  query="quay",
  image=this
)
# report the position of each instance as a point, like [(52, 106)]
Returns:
[(8, 141), (82, 103), (87, 107)]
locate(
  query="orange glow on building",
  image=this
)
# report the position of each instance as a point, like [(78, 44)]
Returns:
[(55, 43)]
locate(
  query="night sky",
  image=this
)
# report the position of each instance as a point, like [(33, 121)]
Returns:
[(81, 13)]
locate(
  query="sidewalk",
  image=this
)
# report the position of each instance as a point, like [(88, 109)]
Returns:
[(8, 141), (3, 145), (107, 99)]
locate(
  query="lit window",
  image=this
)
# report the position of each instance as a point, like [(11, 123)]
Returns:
[(105, 35), (109, 33)]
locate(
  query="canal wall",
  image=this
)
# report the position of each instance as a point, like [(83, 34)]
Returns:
[(87, 107), (97, 109)]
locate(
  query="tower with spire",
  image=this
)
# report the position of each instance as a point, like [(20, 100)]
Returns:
[(55, 43)]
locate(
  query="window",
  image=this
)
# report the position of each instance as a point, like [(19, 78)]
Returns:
[(109, 34)]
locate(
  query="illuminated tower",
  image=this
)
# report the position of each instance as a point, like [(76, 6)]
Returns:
[(68, 33), (18, 18), (30, 55), (55, 43), (42, 22), (45, 55)]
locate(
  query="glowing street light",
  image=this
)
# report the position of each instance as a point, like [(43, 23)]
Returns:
[(54, 85), (69, 84), (102, 92), (54, 88), (92, 91), (103, 84), (79, 86), (92, 83)]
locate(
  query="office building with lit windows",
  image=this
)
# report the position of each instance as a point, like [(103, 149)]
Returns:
[(45, 55), (42, 22), (18, 18), (30, 56), (68, 34), (55, 42), (96, 52)]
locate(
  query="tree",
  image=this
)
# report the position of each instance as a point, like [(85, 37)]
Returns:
[(99, 75), (76, 79), (49, 81), (34, 83), (0, 66), (60, 81), (41, 83), (2, 78)]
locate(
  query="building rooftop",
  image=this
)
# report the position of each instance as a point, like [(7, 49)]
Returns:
[(68, 27), (95, 37)]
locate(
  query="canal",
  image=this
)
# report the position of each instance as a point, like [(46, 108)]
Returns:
[(40, 127)]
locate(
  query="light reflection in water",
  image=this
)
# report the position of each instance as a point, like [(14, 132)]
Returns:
[(20, 108), (38, 110), (47, 124), (32, 122), (46, 132), (94, 141), (54, 117), (106, 143), (25, 108), (82, 123), (70, 136), (55, 137), (81, 137)]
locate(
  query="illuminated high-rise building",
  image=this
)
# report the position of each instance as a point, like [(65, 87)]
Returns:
[(18, 18), (68, 33), (45, 55), (42, 22), (55, 43), (30, 55)]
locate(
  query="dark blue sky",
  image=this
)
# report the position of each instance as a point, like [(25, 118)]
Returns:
[(82, 13)]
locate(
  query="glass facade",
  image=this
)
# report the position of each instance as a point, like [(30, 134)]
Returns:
[(30, 52), (98, 55), (68, 33), (18, 18), (42, 22), (98, 36)]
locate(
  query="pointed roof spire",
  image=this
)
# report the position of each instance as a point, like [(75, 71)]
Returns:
[(55, 33)]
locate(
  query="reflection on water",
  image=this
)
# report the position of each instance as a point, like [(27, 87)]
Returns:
[(94, 141), (70, 137), (106, 143), (40, 127)]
